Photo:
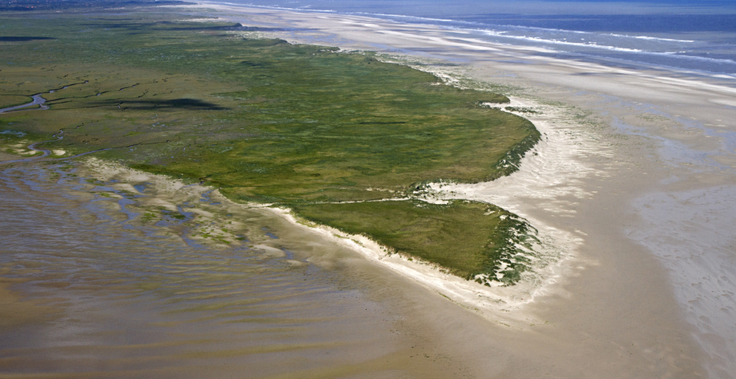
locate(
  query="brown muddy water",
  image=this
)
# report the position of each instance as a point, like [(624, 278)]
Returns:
[(91, 288)]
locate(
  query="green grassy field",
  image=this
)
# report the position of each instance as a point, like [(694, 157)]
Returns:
[(13, 100), (468, 238), (306, 127)]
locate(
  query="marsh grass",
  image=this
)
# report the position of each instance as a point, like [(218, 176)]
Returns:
[(455, 235), (268, 121)]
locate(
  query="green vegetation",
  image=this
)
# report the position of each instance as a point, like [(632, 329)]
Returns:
[(468, 238), (307, 127), (437, 233), (11, 100)]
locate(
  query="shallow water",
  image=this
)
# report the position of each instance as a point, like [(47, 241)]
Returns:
[(85, 288)]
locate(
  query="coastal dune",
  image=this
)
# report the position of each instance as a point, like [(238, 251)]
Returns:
[(640, 186)]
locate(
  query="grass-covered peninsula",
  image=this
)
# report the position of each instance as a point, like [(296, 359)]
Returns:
[(323, 132)]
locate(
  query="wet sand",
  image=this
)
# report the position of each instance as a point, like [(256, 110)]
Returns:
[(148, 304), (160, 301), (90, 290), (648, 292)]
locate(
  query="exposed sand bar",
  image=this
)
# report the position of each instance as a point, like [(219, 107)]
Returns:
[(649, 193)]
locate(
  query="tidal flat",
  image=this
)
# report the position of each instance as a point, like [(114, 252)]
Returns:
[(263, 120), (105, 272)]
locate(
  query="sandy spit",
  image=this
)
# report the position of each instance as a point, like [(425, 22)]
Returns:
[(553, 162)]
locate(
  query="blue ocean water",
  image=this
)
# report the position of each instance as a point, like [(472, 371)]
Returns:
[(696, 36)]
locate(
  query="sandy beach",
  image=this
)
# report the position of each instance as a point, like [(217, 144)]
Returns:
[(636, 181)]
